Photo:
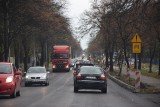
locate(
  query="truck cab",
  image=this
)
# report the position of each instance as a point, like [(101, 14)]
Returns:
[(61, 58)]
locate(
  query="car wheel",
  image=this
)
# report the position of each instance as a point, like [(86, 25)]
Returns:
[(75, 89), (13, 95), (18, 93), (104, 90), (46, 84), (26, 84)]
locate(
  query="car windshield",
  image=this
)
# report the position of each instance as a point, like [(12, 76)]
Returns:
[(36, 70), (90, 70), (60, 55), (5, 69)]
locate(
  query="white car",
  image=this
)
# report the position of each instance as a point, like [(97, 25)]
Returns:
[(37, 75)]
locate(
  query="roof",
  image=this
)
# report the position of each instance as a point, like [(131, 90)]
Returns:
[(5, 63), (59, 47)]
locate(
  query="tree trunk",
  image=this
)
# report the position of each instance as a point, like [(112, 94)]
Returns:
[(111, 61), (120, 63), (42, 55), (125, 54), (25, 56), (152, 56), (135, 61), (106, 54), (150, 66), (6, 29), (159, 61), (25, 63), (16, 51), (139, 63)]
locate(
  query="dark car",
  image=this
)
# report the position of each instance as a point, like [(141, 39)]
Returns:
[(78, 65), (73, 61), (10, 79), (90, 77), (37, 75)]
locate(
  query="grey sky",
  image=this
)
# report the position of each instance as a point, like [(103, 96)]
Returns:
[(75, 10)]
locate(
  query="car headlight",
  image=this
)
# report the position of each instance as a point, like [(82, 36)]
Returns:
[(43, 77), (27, 76), (67, 66), (54, 66), (9, 79)]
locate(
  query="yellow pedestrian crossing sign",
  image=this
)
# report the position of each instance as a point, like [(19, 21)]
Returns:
[(136, 44)]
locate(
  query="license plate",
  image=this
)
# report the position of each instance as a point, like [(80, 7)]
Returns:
[(35, 80), (90, 77)]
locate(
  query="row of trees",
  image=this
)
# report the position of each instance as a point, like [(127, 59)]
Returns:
[(112, 24), (31, 27)]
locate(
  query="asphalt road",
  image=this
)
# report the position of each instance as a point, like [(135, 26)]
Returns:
[(60, 94)]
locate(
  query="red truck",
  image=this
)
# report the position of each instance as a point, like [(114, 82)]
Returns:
[(61, 58)]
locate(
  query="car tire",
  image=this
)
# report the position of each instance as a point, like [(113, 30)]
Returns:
[(104, 90), (67, 70), (46, 84), (18, 93), (13, 95), (75, 89), (26, 84)]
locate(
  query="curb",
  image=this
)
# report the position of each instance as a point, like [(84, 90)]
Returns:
[(121, 83)]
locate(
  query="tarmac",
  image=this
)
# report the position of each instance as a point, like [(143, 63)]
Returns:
[(151, 81)]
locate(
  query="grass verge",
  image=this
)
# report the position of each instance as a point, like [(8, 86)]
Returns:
[(144, 88)]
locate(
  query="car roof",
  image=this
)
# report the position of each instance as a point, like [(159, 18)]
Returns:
[(83, 64), (5, 63), (90, 67)]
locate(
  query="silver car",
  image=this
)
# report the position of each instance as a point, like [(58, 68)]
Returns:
[(37, 75)]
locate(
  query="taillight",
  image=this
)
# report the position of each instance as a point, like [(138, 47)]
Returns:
[(74, 71), (103, 77), (78, 76)]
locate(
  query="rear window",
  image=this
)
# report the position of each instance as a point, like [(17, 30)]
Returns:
[(5, 69), (80, 65), (90, 70)]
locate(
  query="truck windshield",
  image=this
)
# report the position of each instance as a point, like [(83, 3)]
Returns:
[(60, 55)]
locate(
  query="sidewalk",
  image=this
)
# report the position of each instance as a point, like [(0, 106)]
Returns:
[(144, 79)]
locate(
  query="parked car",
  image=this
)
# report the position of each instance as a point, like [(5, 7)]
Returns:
[(37, 75), (10, 79), (90, 77)]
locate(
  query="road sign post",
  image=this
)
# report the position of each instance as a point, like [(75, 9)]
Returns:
[(136, 49)]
